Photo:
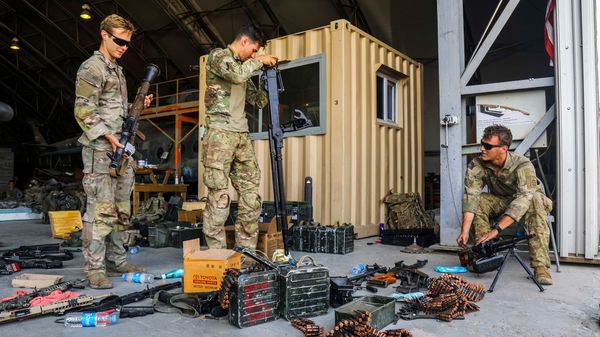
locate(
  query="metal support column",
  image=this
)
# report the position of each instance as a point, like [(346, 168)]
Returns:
[(451, 66)]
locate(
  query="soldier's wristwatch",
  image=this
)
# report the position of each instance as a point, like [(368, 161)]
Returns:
[(497, 227)]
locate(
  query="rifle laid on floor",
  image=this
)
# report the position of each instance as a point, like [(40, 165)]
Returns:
[(49, 252), (57, 308), (120, 302), (22, 301), (48, 256)]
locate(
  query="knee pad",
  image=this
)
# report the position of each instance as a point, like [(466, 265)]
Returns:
[(215, 179), (223, 201), (252, 200)]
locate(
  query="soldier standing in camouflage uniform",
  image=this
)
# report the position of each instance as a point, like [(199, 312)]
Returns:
[(100, 108), (227, 149), (514, 195)]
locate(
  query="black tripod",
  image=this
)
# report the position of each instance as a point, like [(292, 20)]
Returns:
[(509, 253), (274, 85)]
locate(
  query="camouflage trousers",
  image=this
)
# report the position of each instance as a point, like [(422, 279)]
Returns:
[(107, 213), (228, 154), (535, 220)]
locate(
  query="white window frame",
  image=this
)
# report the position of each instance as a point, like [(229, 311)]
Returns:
[(386, 113)]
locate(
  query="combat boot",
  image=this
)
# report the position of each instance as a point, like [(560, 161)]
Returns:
[(99, 281), (123, 269), (542, 275)]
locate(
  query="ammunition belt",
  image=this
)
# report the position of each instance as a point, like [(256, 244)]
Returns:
[(450, 297), (358, 326)]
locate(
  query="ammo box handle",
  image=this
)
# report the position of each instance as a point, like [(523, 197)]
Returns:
[(301, 261)]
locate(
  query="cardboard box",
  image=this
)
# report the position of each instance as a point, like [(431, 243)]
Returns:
[(190, 216), (204, 269), (35, 280), (269, 239)]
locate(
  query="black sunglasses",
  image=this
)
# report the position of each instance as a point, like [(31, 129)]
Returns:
[(489, 146), (119, 41)]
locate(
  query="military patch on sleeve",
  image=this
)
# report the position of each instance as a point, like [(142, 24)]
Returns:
[(91, 75)]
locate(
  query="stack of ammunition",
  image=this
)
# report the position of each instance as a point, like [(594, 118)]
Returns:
[(451, 297)]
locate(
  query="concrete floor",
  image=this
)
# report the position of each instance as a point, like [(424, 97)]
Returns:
[(516, 308)]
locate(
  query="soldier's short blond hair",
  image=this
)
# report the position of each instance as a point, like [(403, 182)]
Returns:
[(115, 21)]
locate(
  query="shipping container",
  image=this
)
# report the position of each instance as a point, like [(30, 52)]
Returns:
[(365, 101)]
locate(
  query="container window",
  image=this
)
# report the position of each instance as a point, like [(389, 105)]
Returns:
[(387, 88), (304, 84)]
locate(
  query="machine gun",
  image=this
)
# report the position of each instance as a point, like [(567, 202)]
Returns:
[(486, 257), (274, 85), (131, 123)]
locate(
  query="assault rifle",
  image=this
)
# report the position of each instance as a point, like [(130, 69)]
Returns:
[(120, 302), (131, 123), (49, 251), (22, 301), (48, 256), (35, 263), (57, 308), (274, 85)]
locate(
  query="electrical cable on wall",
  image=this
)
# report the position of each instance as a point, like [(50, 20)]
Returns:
[(447, 121)]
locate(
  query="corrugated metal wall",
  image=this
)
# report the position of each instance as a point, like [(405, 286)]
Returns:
[(358, 160)]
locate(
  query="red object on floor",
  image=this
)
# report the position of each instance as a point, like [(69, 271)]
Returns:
[(54, 296), (18, 293)]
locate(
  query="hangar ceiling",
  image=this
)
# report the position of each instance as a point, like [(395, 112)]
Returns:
[(38, 80)]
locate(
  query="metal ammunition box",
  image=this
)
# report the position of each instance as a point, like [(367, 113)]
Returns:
[(255, 300), (319, 239), (304, 291), (382, 310)]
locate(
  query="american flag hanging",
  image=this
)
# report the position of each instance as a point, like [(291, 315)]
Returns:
[(549, 31)]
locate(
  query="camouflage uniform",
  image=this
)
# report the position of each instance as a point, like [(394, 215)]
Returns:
[(15, 194), (100, 108), (227, 149), (514, 192)]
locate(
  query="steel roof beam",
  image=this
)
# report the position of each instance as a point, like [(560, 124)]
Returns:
[(355, 16), (278, 26)]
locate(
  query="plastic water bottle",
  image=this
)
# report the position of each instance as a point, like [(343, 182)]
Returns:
[(91, 319), (359, 269), (138, 277), (175, 273), (135, 249)]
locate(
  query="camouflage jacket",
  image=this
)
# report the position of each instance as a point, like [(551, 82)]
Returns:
[(101, 101), (516, 179), (228, 88)]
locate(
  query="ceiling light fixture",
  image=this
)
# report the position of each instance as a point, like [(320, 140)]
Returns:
[(85, 12), (14, 44)]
